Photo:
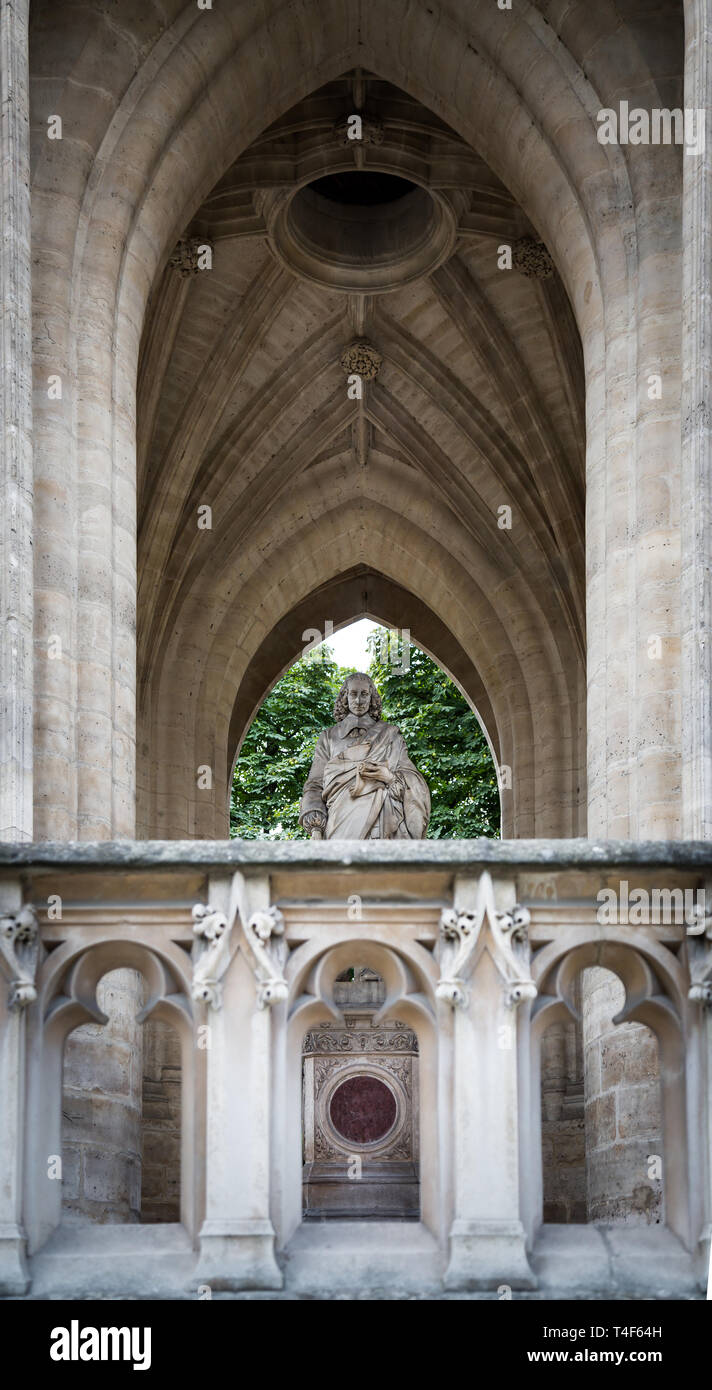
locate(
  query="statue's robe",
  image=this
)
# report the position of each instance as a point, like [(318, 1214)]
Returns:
[(358, 808)]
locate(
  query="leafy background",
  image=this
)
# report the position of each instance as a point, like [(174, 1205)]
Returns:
[(443, 737)]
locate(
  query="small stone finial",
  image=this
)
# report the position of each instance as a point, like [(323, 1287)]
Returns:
[(508, 943), (700, 959), (362, 359), (265, 935), (19, 948), (211, 954), (531, 258), (191, 255), (358, 128)]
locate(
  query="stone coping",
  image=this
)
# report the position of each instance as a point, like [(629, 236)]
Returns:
[(456, 855)]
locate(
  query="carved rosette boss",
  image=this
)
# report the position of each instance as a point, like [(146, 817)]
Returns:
[(362, 359)]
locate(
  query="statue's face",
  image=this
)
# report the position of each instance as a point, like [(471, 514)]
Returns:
[(359, 696)]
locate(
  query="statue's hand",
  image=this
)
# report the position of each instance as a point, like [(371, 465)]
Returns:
[(377, 772), (314, 820)]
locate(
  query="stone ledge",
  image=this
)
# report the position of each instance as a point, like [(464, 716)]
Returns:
[(367, 1260), (263, 855)]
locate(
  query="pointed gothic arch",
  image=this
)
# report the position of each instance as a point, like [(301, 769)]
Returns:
[(528, 108)]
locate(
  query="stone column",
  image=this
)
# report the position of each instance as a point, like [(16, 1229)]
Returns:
[(696, 487), (16, 580), (622, 1109), (161, 1122), (563, 1145), (487, 1239), (101, 1107), (14, 1277), (237, 1236), (698, 1062)]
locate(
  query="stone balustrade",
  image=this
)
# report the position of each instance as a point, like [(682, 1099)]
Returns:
[(480, 946)]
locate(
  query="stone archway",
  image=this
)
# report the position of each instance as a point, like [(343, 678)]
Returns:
[(522, 673), (300, 483), (528, 106), (364, 593), (654, 996)]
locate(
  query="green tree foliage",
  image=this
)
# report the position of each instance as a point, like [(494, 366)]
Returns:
[(442, 734), (444, 739), (279, 745)]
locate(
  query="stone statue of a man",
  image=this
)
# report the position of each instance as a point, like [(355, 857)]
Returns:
[(362, 784)]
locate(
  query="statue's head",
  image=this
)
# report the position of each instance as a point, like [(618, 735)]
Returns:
[(358, 695)]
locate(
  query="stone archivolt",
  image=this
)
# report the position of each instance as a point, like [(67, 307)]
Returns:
[(441, 435), (239, 399)]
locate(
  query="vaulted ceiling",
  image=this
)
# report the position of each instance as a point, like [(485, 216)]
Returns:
[(325, 505)]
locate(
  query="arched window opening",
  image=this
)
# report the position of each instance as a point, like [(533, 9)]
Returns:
[(121, 1112), (441, 730), (602, 1152), (624, 1147)]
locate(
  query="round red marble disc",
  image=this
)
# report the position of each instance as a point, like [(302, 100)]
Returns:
[(362, 1109)]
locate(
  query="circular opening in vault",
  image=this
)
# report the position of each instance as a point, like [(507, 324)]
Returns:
[(362, 230), (363, 1109), (362, 188)]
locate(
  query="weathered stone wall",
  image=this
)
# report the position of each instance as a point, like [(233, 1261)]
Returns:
[(101, 1107), (623, 1116), (160, 1124), (16, 535)]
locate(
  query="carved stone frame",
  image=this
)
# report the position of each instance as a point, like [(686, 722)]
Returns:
[(344, 1070)]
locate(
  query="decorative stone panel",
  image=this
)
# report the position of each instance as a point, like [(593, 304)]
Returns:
[(365, 1078)]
